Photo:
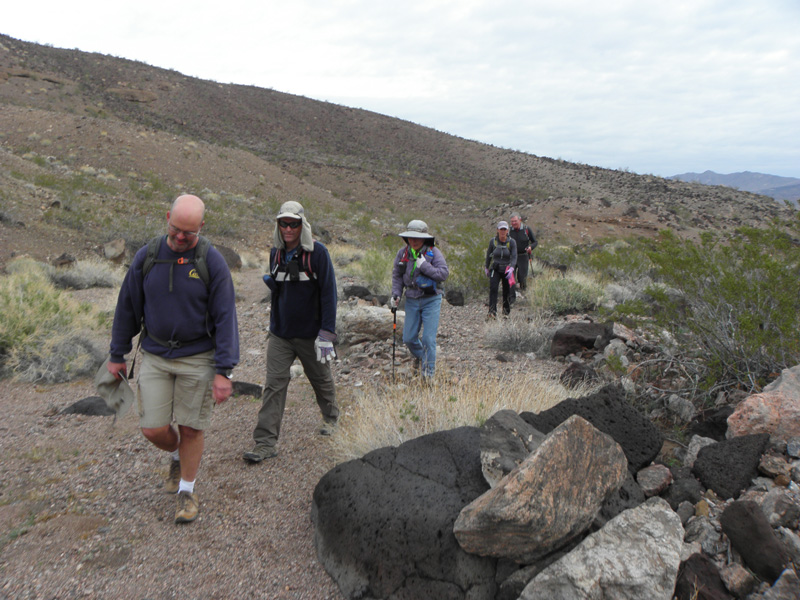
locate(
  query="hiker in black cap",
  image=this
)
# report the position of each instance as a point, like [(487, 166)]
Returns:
[(183, 302), (501, 258), (420, 269), (302, 325)]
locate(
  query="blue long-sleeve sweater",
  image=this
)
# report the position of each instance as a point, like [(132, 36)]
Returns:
[(189, 313)]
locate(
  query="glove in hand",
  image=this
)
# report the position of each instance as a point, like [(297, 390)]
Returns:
[(393, 302), (419, 262), (323, 346)]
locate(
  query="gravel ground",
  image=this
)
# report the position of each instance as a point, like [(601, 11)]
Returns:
[(83, 514)]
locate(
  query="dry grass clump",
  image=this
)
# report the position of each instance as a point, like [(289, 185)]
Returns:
[(45, 335), (388, 415), (85, 274), (518, 334)]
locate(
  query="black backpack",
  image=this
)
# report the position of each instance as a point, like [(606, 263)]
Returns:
[(200, 259)]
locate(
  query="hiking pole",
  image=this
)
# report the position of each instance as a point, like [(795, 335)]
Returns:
[(394, 339)]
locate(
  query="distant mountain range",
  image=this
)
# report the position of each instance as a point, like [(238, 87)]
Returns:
[(780, 188)]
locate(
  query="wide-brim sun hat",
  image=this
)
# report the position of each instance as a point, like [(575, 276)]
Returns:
[(416, 229)]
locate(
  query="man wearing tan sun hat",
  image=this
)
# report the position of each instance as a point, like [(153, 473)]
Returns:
[(302, 325)]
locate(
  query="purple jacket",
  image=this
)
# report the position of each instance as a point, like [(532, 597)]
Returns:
[(404, 273)]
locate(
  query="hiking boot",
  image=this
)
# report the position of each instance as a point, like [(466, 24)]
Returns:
[(259, 453), (188, 508), (491, 317), (174, 478), (327, 427)]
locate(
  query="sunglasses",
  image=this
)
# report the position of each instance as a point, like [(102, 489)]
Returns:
[(289, 224)]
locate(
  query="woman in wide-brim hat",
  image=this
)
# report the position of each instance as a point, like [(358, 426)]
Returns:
[(420, 269)]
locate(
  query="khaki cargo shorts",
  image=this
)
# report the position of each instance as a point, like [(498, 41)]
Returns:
[(176, 388)]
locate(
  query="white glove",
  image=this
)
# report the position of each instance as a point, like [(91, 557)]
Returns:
[(420, 262), (324, 350), (393, 302)]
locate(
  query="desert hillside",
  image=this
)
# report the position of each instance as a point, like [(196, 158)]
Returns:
[(92, 147)]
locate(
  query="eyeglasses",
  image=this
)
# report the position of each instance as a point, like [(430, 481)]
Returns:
[(187, 234), (289, 224)]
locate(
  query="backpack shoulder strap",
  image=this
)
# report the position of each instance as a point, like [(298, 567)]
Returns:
[(201, 259), (152, 251)]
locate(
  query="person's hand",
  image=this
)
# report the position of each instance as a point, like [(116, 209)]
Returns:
[(529, 250), (323, 346), (118, 370), (393, 303), (486, 270), (222, 388)]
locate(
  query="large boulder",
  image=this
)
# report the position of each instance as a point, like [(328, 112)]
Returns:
[(636, 555), (775, 411), (575, 337), (549, 500), (609, 411), (367, 323), (384, 522)]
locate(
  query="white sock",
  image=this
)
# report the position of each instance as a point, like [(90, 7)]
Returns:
[(186, 486), (175, 454)]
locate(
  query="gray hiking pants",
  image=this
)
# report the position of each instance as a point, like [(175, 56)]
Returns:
[(281, 353)]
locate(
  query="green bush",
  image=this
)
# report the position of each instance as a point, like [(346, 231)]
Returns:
[(42, 329), (740, 300), (562, 295), (466, 258)]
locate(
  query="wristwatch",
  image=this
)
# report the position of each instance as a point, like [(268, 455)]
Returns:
[(228, 373)]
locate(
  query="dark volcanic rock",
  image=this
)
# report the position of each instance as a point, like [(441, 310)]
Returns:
[(609, 411), (384, 523), (728, 467)]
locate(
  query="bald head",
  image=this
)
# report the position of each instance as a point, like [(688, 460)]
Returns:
[(188, 206), (185, 219)]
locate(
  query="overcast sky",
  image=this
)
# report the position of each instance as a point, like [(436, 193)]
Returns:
[(653, 87)]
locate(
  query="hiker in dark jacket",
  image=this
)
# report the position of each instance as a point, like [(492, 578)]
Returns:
[(189, 341), (501, 258), (302, 325), (526, 243), (420, 268)]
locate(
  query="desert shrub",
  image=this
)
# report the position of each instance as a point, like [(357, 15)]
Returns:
[(345, 257), (388, 415), (466, 258), (620, 261), (85, 274), (576, 292), (41, 328), (740, 300), (520, 335), (375, 269)]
